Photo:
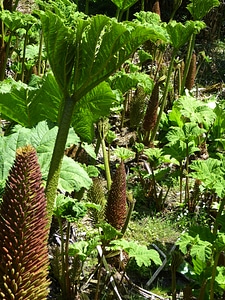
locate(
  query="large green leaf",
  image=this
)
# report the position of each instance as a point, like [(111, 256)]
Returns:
[(180, 33), (177, 150), (152, 20), (106, 46), (210, 173), (184, 241), (200, 246), (89, 53), (188, 133), (124, 4), (141, 253), (65, 9), (90, 108), (202, 250), (15, 100), (27, 105), (125, 81), (195, 110), (220, 277), (8, 146), (15, 20), (60, 43), (42, 137), (199, 8), (148, 17), (46, 101), (73, 176)]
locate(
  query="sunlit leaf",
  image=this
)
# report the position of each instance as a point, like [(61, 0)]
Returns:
[(73, 176), (89, 109), (124, 4), (125, 81), (210, 173), (194, 110), (124, 153), (199, 8), (141, 254), (94, 49), (220, 276), (28, 105), (15, 20), (180, 33)]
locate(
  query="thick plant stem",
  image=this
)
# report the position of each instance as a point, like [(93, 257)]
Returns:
[(106, 164), (117, 13), (212, 282), (66, 257), (99, 278), (58, 152), (181, 180), (63, 267), (127, 14), (87, 7), (24, 55), (40, 53), (202, 290), (124, 110), (219, 213), (154, 132), (103, 129), (187, 197), (131, 201), (188, 61), (15, 5)]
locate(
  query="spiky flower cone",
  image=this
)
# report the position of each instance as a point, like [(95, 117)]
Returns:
[(23, 232), (152, 109), (190, 80), (96, 195), (156, 8), (137, 107), (116, 209)]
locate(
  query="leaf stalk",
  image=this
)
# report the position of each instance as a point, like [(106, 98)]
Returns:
[(58, 153), (163, 103)]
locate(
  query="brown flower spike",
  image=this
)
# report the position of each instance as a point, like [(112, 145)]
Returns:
[(151, 114), (190, 80), (23, 232), (116, 209)]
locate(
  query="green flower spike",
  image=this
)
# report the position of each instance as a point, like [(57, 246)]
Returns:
[(24, 232)]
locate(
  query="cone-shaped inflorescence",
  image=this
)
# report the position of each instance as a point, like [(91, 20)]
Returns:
[(23, 232), (156, 8), (190, 80), (116, 209), (137, 107), (152, 109), (96, 195)]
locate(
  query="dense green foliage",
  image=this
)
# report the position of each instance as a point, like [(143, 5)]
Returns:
[(80, 85)]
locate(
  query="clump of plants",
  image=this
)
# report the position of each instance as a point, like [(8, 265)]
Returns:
[(68, 103)]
